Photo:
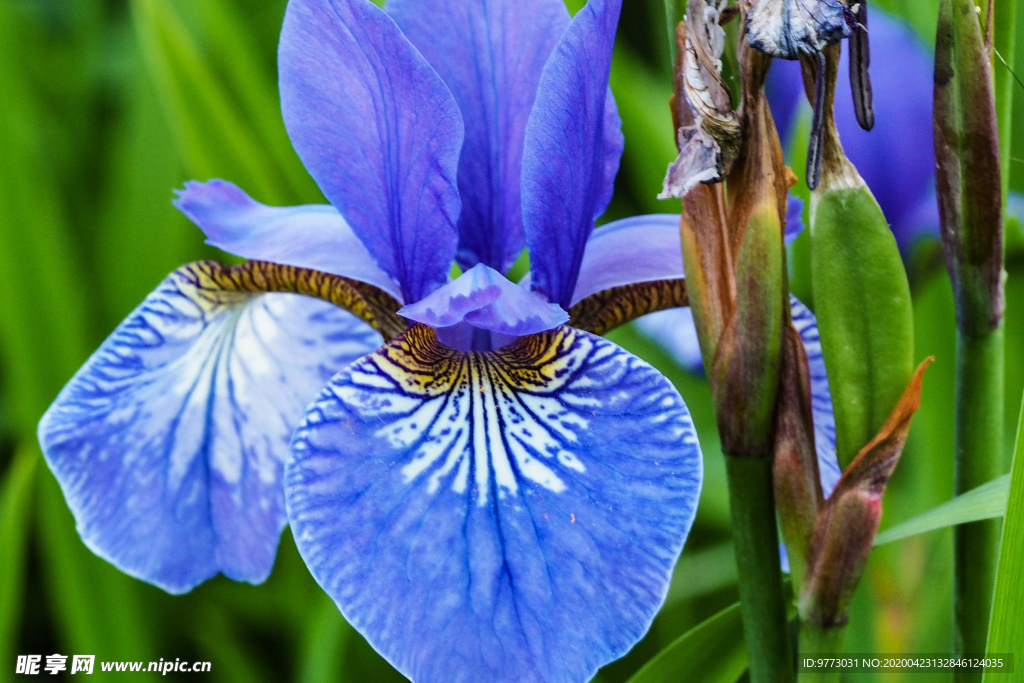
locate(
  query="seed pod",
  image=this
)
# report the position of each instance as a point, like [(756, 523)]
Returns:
[(864, 313), (863, 305)]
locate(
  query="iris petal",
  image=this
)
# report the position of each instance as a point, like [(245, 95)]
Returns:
[(673, 330), (490, 54), (170, 442), (821, 398), (572, 149), (638, 249), (503, 516), (485, 299), (314, 237), (379, 132)]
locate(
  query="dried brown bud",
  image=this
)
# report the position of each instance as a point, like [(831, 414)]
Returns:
[(708, 132), (789, 29), (847, 524)]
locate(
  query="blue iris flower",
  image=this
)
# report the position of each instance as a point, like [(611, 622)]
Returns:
[(491, 494)]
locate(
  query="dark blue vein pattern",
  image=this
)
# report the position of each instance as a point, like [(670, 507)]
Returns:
[(170, 442), (821, 397), (505, 516)]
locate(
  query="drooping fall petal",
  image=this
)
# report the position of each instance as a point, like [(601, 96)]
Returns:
[(169, 444), (504, 516)]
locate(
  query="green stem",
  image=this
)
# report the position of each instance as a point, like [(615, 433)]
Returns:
[(815, 640), (1005, 30), (979, 446), (671, 19), (756, 541)]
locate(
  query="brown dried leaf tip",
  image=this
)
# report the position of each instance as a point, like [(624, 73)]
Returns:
[(708, 133), (847, 524)]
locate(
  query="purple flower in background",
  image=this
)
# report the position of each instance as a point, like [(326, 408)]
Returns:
[(490, 495), (895, 158)]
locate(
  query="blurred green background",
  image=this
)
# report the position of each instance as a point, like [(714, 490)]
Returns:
[(105, 107)]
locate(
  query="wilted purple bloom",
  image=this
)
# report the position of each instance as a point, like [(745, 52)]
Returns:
[(505, 504), (895, 158)]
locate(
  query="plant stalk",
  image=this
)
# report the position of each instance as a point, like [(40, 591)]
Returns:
[(756, 541), (817, 640), (979, 446), (1004, 28)]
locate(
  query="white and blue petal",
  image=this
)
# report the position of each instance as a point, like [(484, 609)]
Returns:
[(821, 398), (503, 516), (169, 443), (673, 330)]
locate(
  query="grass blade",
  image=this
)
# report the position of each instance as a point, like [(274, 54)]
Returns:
[(1006, 627), (214, 138), (714, 651), (325, 643), (15, 511), (987, 501)]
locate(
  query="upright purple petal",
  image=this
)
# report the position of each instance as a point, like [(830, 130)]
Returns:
[(378, 130), (637, 249), (896, 158), (508, 517), (170, 442), (571, 155), (304, 236), (490, 53)]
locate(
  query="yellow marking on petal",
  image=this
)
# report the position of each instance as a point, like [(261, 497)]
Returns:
[(609, 308), (217, 285)]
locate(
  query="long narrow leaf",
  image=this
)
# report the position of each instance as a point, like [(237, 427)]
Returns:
[(988, 501), (237, 55), (714, 651), (214, 138), (15, 511), (325, 643), (1006, 627)]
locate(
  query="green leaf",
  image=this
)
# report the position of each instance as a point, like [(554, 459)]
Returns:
[(714, 651), (702, 572), (643, 100), (43, 307), (326, 641), (214, 137), (15, 512), (1006, 628), (987, 501), (671, 19)]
